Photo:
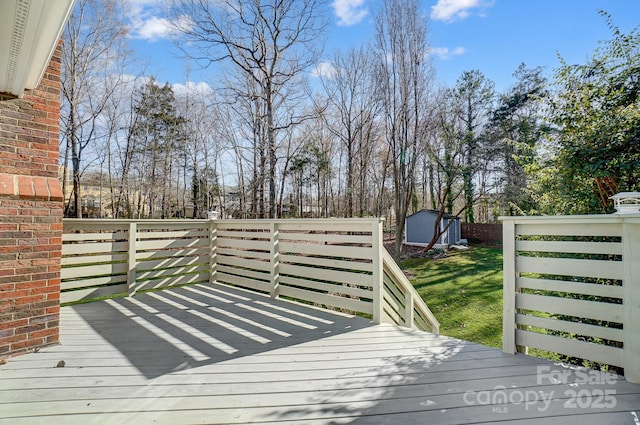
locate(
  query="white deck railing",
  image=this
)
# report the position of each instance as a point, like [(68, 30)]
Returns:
[(572, 286), (338, 264)]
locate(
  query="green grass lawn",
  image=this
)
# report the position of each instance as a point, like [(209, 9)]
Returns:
[(464, 292)]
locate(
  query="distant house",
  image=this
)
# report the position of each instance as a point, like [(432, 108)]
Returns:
[(419, 228)]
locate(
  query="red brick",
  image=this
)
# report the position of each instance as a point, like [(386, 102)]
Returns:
[(8, 287), (55, 189), (54, 295), (45, 290), (45, 247), (44, 333), (33, 284), (4, 296), (20, 293), (40, 186), (25, 187), (7, 185), (13, 339), (30, 343), (13, 324), (6, 272), (30, 299), (14, 248)]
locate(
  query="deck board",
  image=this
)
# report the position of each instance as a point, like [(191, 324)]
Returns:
[(217, 355)]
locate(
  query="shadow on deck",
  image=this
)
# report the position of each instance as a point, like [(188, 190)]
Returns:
[(192, 326), (218, 355)]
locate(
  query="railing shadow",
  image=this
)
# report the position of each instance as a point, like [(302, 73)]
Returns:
[(457, 382), (187, 327)]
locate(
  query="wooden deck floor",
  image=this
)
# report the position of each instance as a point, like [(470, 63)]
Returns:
[(217, 355)]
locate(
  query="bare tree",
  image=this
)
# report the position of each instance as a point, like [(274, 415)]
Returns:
[(447, 151), (270, 42), (93, 37), (122, 117), (403, 73), (351, 112), (199, 107)]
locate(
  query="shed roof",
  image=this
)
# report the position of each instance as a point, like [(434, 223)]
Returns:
[(435, 212)]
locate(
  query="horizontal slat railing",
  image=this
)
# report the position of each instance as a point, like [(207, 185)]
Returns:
[(337, 264), (572, 287), (326, 263), (402, 304), (243, 254), (118, 257), (94, 259), (170, 253)]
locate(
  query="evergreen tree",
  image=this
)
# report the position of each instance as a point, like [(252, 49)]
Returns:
[(474, 93), (159, 140), (517, 129)]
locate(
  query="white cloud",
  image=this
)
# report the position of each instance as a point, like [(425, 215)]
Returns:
[(152, 28), (453, 10), (324, 69), (147, 21), (445, 53), (199, 88), (349, 12)]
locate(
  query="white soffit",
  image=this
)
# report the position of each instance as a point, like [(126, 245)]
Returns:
[(29, 34)]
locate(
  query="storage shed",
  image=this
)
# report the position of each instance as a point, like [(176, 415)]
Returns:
[(419, 228)]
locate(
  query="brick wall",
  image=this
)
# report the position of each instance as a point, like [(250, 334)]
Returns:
[(30, 216)]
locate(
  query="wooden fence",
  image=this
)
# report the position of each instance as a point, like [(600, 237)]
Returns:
[(484, 232), (338, 264), (572, 286)]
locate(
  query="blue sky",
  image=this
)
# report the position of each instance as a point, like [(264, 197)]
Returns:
[(493, 36)]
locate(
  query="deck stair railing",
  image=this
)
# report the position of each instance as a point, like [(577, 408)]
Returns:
[(338, 264), (402, 305)]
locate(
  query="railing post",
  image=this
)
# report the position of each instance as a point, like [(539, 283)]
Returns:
[(509, 286), (408, 309), (131, 259), (631, 300), (213, 250), (377, 242), (275, 260)]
